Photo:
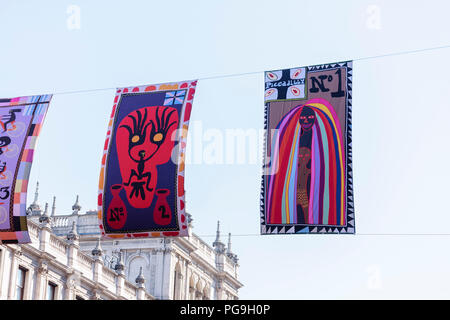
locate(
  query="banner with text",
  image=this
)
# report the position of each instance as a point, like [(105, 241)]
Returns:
[(20, 123), (307, 184)]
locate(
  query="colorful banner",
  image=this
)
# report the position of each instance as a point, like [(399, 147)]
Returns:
[(20, 123), (141, 188), (307, 184)]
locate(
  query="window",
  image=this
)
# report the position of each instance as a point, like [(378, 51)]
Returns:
[(20, 283), (78, 298), (51, 290)]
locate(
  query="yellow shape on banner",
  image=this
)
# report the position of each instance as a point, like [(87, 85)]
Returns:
[(100, 182), (168, 87)]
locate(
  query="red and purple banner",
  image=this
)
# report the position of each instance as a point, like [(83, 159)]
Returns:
[(141, 187), (20, 123)]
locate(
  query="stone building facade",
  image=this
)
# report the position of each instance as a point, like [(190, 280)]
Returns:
[(54, 268), (144, 268)]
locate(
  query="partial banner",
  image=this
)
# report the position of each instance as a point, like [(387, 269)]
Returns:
[(141, 188), (20, 123), (307, 184)]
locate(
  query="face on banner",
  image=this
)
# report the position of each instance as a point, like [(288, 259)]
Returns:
[(142, 176), (144, 140), (20, 122), (307, 184)]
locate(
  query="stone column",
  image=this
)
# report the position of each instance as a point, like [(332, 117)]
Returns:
[(120, 279), (120, 284), (140, 282), (178, 287), (219, 289), (177, 277), (68, 290), (72, 240), (2, 269), (140, 294), (28, 292), (71, 284), (41, 279), (98, 270), (72, 252), (187, 279), (58, 293), (72, 249), (16, 252), (153, 269), (168, 272), (159, 273), (97, 253), (45, 230)]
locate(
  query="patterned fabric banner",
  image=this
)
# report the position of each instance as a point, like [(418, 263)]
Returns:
[(141, 188), (20, 123), (307, 184)]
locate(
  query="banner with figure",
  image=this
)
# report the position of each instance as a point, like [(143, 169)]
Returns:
[(307, 184), (141, 188), (20, 123)]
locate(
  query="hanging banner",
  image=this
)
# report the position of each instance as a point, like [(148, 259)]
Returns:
[(141, 188), (307, 184), (20, 123)]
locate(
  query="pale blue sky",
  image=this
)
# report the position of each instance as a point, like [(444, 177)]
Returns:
[(400, 123)]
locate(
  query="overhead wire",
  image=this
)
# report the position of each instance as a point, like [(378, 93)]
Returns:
[(399, 53), (262, 71)]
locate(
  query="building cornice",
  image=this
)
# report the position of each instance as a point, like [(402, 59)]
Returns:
[(232, 280), (184, 242), (199, 260)]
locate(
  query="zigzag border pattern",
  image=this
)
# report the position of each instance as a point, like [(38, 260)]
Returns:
[(305, 229), (262, 198)]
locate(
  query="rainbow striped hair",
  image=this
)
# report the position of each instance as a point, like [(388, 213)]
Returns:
[(327, 188)]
